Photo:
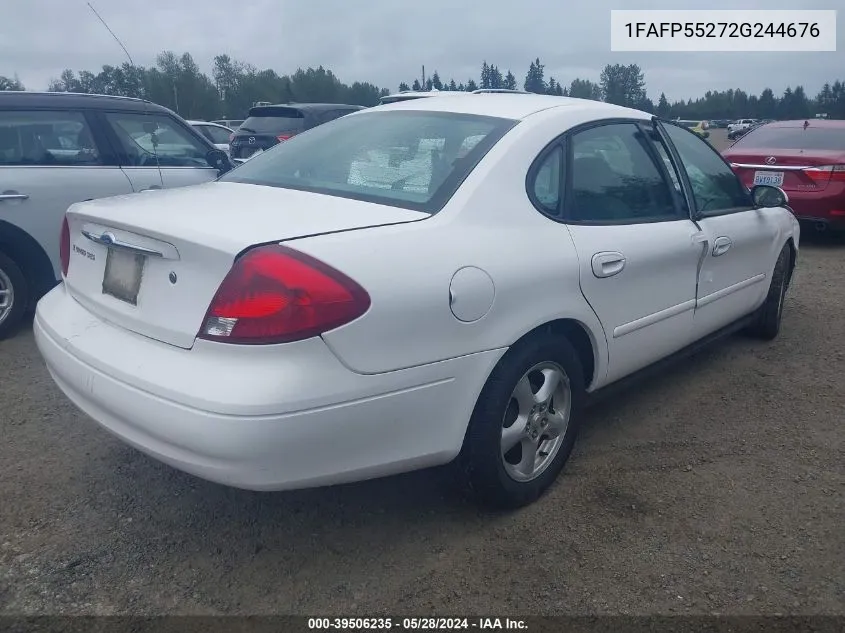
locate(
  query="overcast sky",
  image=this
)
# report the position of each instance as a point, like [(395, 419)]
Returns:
[(386, 41)]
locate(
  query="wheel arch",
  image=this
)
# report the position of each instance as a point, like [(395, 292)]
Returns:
[(579, 336), (30, 257)]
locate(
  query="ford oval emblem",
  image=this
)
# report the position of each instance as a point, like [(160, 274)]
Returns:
[(252, 140), (107, 238), (771, 160)]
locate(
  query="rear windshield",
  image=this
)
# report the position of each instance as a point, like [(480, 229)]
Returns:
[(410, 159), (274, 119), (826, 138)]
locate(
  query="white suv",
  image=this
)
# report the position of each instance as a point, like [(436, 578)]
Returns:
[(60, 148)]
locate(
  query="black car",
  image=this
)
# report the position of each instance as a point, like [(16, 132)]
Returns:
[(268, 125)]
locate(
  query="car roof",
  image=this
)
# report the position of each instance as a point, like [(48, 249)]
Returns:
[(26, 99), (822, 123), (512, 106), (310, 106), (214, 123), (408, 94)]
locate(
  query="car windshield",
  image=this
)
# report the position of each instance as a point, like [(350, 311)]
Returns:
[(410, 159), (826, 138)]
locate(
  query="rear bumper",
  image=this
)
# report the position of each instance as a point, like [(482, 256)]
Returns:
[(257, 417)]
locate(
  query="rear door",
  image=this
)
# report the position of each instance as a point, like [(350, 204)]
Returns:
[(156, 151), (740, 240), (50, 159), (635, 243)]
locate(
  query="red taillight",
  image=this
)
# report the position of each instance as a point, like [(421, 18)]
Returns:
[(64, 247), (826, 173), (274, 294), (284, 137)]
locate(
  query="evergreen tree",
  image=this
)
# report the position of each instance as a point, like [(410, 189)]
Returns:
[(471, 85), (485, 75), (416, 87), (403, 87), (663, 106), (534, 81), (510, 81)]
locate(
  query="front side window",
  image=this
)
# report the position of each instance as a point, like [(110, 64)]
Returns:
[(614, 179), (410, 159), (148, 140), (46, 139), (716, 189)]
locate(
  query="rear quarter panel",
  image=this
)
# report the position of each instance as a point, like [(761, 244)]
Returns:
[(489, 224)]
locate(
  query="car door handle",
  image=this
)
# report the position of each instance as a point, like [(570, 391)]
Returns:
[(721, 246), (608, 264), (13, 196)]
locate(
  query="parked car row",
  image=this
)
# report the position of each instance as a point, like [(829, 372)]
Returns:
[(358, 298)]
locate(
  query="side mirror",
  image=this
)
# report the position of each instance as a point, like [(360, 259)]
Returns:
[(218, 159), (766, 196)]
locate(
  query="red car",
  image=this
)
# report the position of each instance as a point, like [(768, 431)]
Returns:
[(804, 158)]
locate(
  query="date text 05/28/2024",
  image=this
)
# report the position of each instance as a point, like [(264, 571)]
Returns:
[(416, 624), (723, 31)]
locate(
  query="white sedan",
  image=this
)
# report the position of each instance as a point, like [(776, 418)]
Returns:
[(428, 281)]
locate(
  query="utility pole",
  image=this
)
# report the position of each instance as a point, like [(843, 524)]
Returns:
[(423, 77)]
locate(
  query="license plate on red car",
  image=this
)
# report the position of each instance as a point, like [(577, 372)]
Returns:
[(771, 178)]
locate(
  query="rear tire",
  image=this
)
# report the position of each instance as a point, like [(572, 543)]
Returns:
[(767, 323), (533, 400), (14, 296)]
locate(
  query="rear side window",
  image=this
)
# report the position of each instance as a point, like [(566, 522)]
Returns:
[(46, 139), (615, 179), (826, 138), (410, 159), (274, 120)]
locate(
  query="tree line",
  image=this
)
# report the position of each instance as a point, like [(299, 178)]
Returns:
[(176, 82)]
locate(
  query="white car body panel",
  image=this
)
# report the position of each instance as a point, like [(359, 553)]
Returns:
[(247, 425), (187, 232), (393, 389)]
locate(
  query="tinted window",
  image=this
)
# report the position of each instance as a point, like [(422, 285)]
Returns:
[(408, 159), (545, 187), (46, 139), (150, 139), (274, 120), (615, 179), (715, 187), (823, 138), (217, 134)]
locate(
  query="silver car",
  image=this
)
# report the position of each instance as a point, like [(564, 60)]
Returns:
[(60, 148)]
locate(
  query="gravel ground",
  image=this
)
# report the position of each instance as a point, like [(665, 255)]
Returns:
[(715, 487)]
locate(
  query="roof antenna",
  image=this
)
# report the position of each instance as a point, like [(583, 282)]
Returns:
[(153, 138)]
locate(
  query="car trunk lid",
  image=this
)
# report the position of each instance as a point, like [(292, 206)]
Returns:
[(790, 169), (151, 262)]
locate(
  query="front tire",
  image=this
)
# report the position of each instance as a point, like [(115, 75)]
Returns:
[(767, 324), (14, 295), (525, 422)]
